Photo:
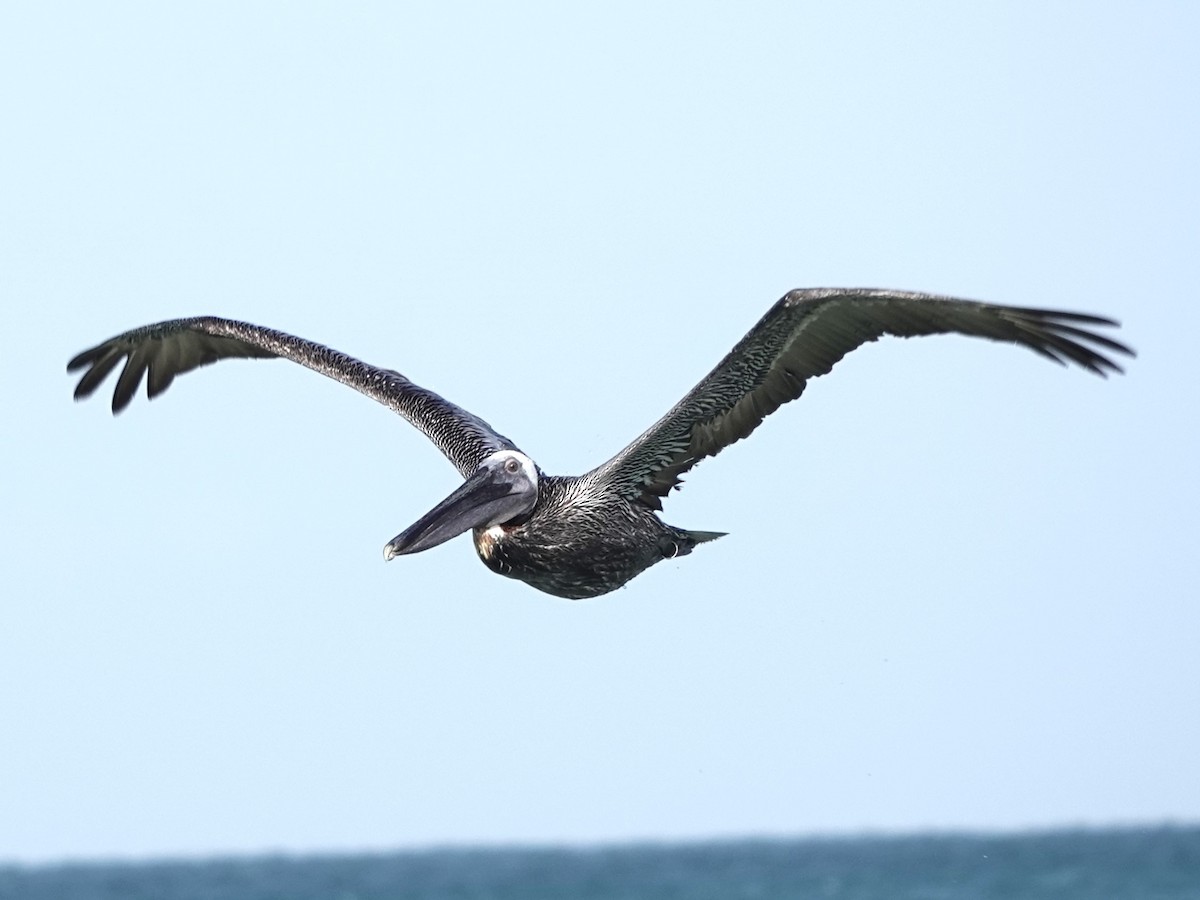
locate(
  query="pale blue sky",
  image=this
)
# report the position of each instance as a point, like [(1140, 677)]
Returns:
[(961, 586)]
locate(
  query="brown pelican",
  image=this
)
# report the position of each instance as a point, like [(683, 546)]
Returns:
[(582, 536)]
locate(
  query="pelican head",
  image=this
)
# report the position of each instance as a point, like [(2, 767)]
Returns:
[(504, 487)]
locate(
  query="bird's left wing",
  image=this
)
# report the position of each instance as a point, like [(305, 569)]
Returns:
[(801, 337), (167, 349)]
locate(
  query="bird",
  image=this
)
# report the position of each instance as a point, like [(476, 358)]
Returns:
[(582, 536)]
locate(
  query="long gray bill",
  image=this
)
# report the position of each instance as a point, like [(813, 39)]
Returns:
[(481, 500)]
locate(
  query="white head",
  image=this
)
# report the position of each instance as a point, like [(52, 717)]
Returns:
[(503, 488)]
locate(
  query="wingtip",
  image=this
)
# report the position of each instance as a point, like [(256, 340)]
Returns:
[(79, 360)]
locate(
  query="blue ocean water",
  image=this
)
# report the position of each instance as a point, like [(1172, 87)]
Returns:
[(1148, 864)]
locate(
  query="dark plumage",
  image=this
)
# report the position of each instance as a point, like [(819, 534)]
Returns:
[(584, 536)]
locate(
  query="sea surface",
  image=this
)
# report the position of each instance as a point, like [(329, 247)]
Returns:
[(1148, 863)]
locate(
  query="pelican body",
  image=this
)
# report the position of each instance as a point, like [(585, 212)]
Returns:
[(583, 536), (578, 540)]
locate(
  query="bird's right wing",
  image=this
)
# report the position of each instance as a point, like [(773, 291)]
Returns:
[(802, 337), (167, 349)]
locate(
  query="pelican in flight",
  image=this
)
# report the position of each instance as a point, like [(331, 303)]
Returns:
[(579, 536)]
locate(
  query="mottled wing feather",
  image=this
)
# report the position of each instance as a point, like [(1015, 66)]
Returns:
[(167, 349), (802, 337)]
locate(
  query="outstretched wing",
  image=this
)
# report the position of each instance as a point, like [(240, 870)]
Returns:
[(171, 348), (801, 337)]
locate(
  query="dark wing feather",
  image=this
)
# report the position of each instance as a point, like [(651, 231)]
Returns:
[(801, 337), (171, 348)]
